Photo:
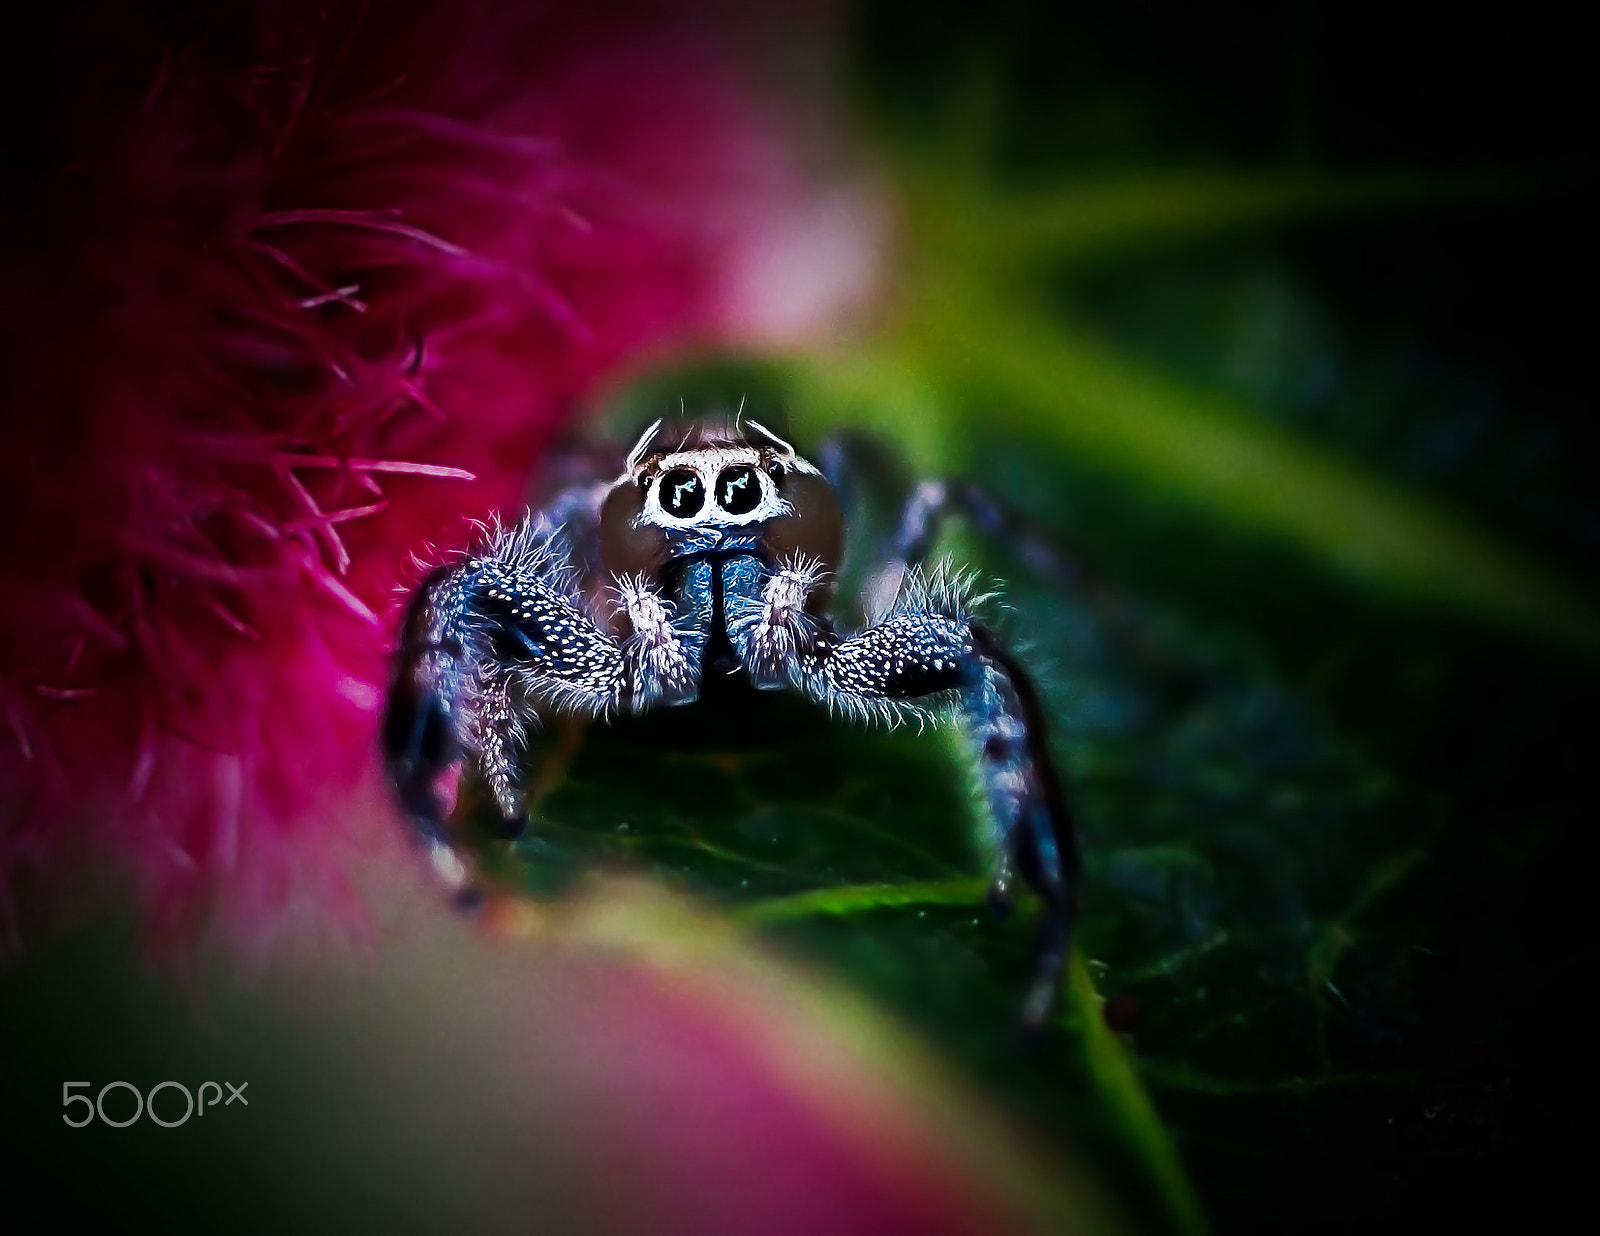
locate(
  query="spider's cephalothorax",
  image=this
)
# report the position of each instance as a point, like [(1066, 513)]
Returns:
[(711, 556)]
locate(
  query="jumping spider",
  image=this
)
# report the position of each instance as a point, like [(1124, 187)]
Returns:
[(714, 555)]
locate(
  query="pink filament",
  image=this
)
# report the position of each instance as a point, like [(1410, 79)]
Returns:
[(303, 284)]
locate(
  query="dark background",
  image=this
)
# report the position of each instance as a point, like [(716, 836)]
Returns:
[(1449, 348), (1461, 350)]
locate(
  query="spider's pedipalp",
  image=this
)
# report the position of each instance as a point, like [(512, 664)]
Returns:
[(768, 632), (661, 657)]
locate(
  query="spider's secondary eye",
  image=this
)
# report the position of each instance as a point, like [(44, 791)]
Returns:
[(682, 494), (644, 480), (738, 490)]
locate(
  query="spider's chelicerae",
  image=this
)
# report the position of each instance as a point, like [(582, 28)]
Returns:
[(713, 553)]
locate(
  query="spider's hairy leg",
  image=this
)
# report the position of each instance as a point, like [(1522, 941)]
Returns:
[(925, 647), (573, 513), (931, 504), (1034, 834), (498, 736), (420, 732), (484, 644)]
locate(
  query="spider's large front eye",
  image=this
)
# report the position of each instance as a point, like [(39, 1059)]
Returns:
[(682, 493), (738, 490)]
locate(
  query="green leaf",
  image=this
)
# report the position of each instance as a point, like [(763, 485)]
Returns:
[(1237, 849), (1010, 234), (1262, 868), (1068, 392)]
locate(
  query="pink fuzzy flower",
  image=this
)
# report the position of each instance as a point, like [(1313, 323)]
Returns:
[(295, 287)]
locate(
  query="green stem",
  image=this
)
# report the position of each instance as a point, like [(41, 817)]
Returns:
[(1112, 1070), (861, 898), (1117, 1077)]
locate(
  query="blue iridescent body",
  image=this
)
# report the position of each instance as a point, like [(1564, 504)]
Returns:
[(715, 555)]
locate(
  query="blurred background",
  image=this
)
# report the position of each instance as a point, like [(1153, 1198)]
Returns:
[(1266, 320)]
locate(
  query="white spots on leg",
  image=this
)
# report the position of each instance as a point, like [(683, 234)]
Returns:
[(498, 733)]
